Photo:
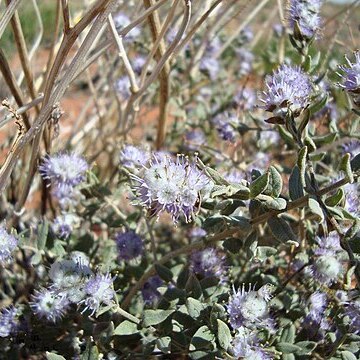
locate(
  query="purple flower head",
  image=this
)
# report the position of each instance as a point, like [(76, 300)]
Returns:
[(149, 291), (138, 64), (8, 243), (261, 162), (172, 186), (63, 168), (326, 269), (250, 309), (129, 245), (132, 156), (352, 311), (268, 138), (351, 76), (210, 66), (279, 29), (246, 59), (122, 87), (66, 195), (306, 14), (99, 289), (8, 321), (234, 176), (194, 139), (66, 274), (288, 87), (225, 124), (246, 34), (49, 305), (63, 225), (245, 345), (317, 304), (209, 262), (245, 99), (121, 20), (352, 147), (328, 245), (197, 232), (352, 202)]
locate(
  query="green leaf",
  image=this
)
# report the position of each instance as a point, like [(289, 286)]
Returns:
[(126, 328), (347, 355), (195, 307), (275, 204), (282, 230), (223, 334), (202, 339), (345, 166), (301, 163), (36, 258), (164, 272), (164, 344), (183, 278), (287, 348), (296, 190), (91, 352), (154, 317), (53, 356), (315, 209), (355, 163), (259, 185), (324, 139), (336, 198), (193, 286), (318, 105), (288, 334), (275, 183), (264, 252), (43, 233), (306, 347), (215, 223)]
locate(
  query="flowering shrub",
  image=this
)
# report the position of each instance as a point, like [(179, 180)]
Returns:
[(202, 203)]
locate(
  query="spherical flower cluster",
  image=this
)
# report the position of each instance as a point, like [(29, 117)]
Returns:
[(8, 244), (268, 138), (133, 156), (250, 309), (226, 124), (245, 99), (129, 245), (326, 267), (8, 321), (288, 88), (315, 322), (73, 282), (352, 202), (246, 345), (65, 172), (209, 63), (150, 291), (210, 66), (194, 139), (121, 20), (352, 147), (64, 168), (172, 186), (245, 60), (197, 233), (234, 176), (209, 262), (49, 305), (352, 311), (122, 87), (99, 289), (306, 14), (138, 64), (63, 225), (351, 78)]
